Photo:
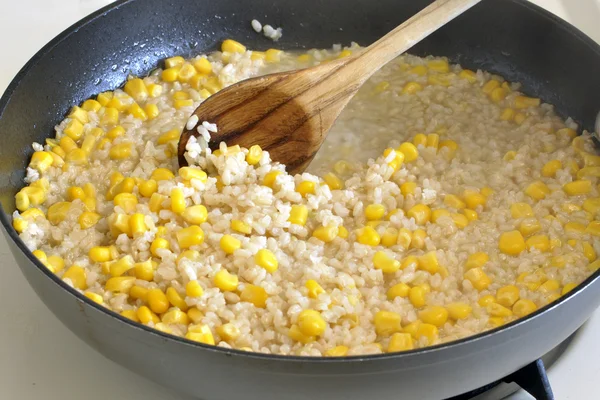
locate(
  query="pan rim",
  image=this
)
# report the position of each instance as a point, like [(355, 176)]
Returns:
[(11, 234)]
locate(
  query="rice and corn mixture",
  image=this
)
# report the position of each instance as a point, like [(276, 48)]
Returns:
[(444, 203)]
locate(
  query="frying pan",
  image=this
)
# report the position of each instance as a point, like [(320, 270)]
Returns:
[(513, 38)]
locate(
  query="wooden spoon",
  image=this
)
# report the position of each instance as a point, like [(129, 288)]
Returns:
[(289, 113)]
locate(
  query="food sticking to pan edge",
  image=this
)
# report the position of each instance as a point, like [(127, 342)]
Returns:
[(443, 203)]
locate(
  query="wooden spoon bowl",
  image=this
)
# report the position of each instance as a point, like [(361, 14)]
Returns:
[(289, 114)]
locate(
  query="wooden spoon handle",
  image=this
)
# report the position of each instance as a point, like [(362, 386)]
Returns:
[(412, 31)]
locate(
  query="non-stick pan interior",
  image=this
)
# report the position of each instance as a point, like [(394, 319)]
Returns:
[(509, 37)]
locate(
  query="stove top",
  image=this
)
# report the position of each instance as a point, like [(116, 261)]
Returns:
[(532, 378)]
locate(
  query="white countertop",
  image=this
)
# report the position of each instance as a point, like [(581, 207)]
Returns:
[(40, 358)]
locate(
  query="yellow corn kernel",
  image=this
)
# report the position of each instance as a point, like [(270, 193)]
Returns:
[(41, 256), (274, 55), (145, 315), (77, 276), (496, 321), (295, 334), (420, 70), (115, 178), (593, 228), (144, 270), (474, 199), (41, 161), (314, 289), (88, 144), (589, 252), (21, 201), (368, 235), (35, 195), (104, 97), (203, 66), (298, 214), (195, 315), (88, 219), (410, 151), (454, 201), (549, 169), (550, 285), (409, 261), (522, 102), (170, 74), (421, 213), (593, 267), (498, 94), (193, 289), (478, 278), (540, 242), (74, 129), (588, 172), (177, 200), (265, 258), (451, 145), (574, 227), (156, 201), (229, 244), (412, 88), (148, 188), (385, 263), (124, 186), (186, 72), (390, 237), (326, 233), (175, 316), (225, 281), (110, 116), (509, 156), (190, 236), (578, 187), (137, 112), (271, 178), (175, 299), (486, 300), (55, 263), (95, 297), (429, 262), (468, 75), (440, 79), (460, 220), (162, 174), (197, 214), (434, 315), (458, 311), (120, 284), (420, 139), (511, 243), (537, 190), (339, 351), (387, 323), (433, 140), (418, 239), (408, 188), (159, 243), (255, 295), (121, 266), (529, 226), (428, 331), (568, 132), (231, 46), (240, 226), (490, 86), (498, 310), (137, 224), (374, 212), (521, 210), (166, 138), (477, 260), (398, 290), (228, 332), (508, 114), (158, 301), (507, 295), (127, 201), (33, 213), (438, 65), (76, 157), (174, 61), (416, 295), (567, 288), (523, 307), (91, 105), (57, 212), (183, 103)]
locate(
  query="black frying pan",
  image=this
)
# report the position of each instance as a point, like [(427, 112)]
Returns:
[(511, 37)]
